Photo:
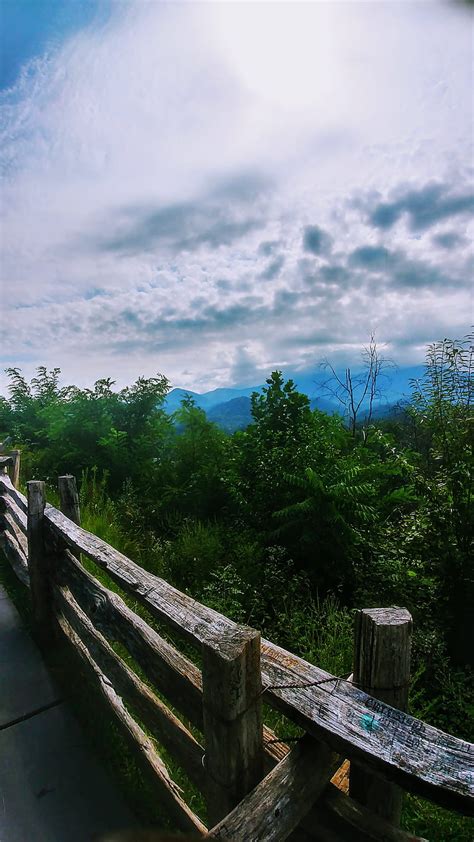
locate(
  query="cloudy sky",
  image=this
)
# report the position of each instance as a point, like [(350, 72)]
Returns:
[(214, 190)]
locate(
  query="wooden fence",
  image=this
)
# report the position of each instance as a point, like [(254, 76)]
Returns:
[(256, 787)]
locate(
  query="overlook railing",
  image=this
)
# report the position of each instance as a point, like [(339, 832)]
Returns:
[(256, 787)]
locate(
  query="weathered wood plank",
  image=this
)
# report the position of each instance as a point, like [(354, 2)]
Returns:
[(418, 756), (7, 486), (69, 501), (276, 806), (69, 498), (96, 598), (273, 748), (340, 778), (199, 624), (156, 717), (382, 646), (232, 703), (38, 562), (19, 536), (139, 744), (336, 816), (16, 557), (8, 506), (15, 468), (171, 672)]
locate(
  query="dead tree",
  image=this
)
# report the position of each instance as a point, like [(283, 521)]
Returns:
[(357, 392)]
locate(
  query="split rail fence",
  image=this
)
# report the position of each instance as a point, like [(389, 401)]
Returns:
[(256, 787)]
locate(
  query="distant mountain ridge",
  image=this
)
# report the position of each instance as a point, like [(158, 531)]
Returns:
[(207, 400), (232, 415), (229, 408)]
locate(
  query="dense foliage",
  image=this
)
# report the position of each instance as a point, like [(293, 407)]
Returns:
[(296, 513)]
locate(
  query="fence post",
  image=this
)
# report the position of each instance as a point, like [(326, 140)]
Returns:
[(382, 644), (38, 565), (69, 502), (69, 498), (233, 730), (15, 468)]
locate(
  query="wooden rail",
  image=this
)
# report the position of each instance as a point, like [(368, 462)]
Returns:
[(10, 462), (255, 787)]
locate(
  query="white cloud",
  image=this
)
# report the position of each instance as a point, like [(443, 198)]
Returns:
[(160, 116)]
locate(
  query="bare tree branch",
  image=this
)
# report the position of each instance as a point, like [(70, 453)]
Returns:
[(357, 393)]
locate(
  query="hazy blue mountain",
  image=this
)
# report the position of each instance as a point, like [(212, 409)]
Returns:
[(325, 405), (232, 415), (222, 395), (174, 398), (230, 408), (207, 400), (394, 384)]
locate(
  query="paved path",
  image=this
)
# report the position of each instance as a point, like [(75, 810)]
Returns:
[(51, 786)]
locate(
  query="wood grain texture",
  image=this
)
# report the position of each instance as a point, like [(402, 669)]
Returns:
[(340, 779), (38, 563), (401, 748), (274, 749), (197, 623), (335, 816), (15, 468), (140, 746), (232, 704), (69, 501), (417, 756), (7, 486), (16, 557), (12, 527), (155, 716), (69, 498), (382, 646), (174, 675), (8, 506), (276, 806)]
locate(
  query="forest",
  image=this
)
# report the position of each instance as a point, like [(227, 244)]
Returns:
[(292, 523)]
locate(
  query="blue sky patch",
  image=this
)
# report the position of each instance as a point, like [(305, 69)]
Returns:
[(33, 27)]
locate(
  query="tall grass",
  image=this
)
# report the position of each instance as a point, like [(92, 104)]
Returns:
[(99, 514)]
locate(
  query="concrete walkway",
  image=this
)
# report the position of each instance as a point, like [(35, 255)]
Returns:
[(51, 786)]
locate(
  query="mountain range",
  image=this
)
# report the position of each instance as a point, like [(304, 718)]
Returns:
[(230, 407)]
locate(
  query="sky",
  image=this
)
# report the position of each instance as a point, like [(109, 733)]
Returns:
[(215, 190)]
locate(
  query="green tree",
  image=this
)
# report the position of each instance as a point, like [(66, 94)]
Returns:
[(329, 518), (194, 466), (275, 441), (67, 429), (443, 419)]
